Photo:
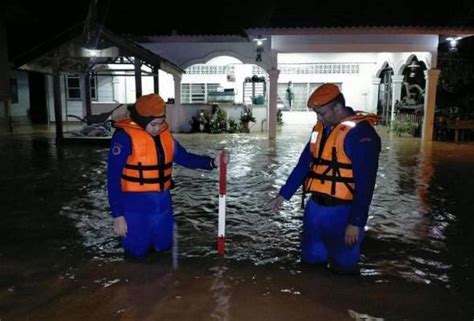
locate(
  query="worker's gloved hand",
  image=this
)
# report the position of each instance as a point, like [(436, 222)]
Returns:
[(217, 159), (120, 226), (275, 204)]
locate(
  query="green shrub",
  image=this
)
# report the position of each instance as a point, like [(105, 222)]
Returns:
[(400, 127), (233, 126)]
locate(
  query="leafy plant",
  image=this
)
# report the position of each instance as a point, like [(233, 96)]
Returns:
[(246, 115), (279, 117), (218, 122), (233, 125), (404, 127), (200, 122)]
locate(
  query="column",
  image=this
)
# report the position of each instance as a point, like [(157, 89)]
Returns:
[(431, 77), (397, 82), (8, 114), (58, 115), (375, 94), (138, 77), (176, 113), (156, 80), (272, 104), (86, 94), (177, 89)]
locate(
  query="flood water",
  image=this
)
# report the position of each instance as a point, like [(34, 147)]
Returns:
[(58, 250)]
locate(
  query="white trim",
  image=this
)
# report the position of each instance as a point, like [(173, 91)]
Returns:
[(221, 224), (218, 53), (360, 31)]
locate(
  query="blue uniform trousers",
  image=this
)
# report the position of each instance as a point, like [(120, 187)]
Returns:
[(150, 227), (323, 237)]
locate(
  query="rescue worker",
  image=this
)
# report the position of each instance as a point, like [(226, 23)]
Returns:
[(338, 167), (139, 173)]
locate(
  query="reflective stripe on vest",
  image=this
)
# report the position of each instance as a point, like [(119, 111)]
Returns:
[(144, 171), (331, 169)]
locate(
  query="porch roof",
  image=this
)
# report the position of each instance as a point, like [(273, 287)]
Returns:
[(78, 50), (367, 30)]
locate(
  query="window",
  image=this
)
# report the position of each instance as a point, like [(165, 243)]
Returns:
[(73, 84), (196, 93), (93, 82)]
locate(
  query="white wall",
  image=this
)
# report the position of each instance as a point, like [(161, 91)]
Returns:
[(105, 94), (166, 85), (299, 118), (105, 89), (355, 43), (357, 88), (20, 109), (111, 90), (127, 87)]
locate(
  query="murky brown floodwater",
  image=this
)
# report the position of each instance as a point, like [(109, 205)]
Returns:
[(59, 259)]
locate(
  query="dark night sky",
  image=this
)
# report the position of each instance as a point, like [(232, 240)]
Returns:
[(31, 22)]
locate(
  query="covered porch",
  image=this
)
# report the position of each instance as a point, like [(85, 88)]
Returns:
[(373, 66)]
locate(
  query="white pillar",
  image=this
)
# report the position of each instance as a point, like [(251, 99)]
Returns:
[(177, 89), (375, 94), (272, 104), (58, 113), (431, 77), (397, 82), (175, 112)]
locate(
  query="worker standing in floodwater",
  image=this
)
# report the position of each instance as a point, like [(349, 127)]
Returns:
[(139, 173), (338, 167)]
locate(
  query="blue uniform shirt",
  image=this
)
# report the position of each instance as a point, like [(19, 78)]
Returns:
[(362, 146), (121, 147)]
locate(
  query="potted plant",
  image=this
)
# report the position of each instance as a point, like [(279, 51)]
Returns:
[(246, 117), (259, 100)]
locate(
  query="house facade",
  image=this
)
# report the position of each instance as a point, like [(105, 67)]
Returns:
[(377, 69)]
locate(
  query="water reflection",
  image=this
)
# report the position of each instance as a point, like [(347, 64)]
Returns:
[(146, 287), (419, 228), (403, 214), (362, 316), (221, 292)]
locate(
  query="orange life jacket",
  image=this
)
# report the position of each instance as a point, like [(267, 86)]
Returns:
[(331, 169), (144, 171)]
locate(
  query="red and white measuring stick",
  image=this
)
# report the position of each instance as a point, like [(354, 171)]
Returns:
[(222, 194)]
